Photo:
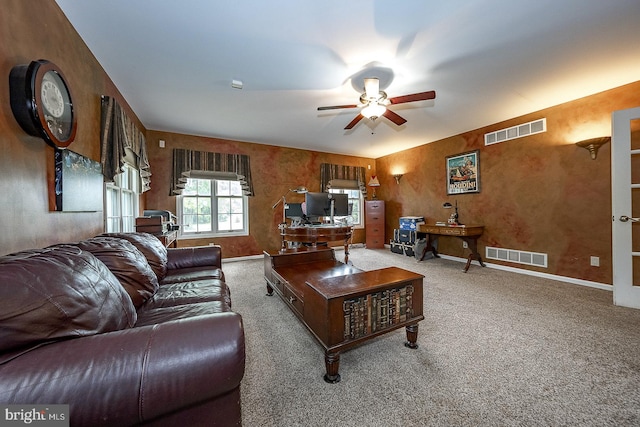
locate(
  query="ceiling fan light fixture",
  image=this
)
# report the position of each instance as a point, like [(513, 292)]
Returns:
[(371, 88), (374, 102), (373, 111)]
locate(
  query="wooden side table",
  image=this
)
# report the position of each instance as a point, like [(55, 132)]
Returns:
[(467, 233)]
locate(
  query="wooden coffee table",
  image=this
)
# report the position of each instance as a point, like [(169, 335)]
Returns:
[(341, 305)]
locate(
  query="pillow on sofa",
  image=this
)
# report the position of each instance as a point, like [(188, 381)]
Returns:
[(127, 263), (58, 292), (151, 247)]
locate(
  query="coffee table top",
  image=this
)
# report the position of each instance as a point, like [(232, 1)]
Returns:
[(301, 273), (361, 282)]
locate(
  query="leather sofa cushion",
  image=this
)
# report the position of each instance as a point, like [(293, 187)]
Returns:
[(151, 247), (193, 274), (159, 315), (148, 376), (196, 256), (127, 263), (188, 293), (58, 292)]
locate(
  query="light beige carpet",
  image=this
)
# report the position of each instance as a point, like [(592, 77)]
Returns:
[(496, 349)]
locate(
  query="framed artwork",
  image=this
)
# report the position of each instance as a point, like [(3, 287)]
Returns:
[(78, 183), (463, 173)]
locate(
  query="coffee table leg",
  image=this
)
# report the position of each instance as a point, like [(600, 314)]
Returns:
[(412, 336), (332, 363), (269, 290)]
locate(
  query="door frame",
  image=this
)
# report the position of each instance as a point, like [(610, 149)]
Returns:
[(624, 293)]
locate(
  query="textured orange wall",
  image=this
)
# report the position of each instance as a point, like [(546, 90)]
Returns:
[(31, 30), (275, 170), (539, 193)]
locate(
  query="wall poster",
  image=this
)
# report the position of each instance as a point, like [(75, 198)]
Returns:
[(463, 173)]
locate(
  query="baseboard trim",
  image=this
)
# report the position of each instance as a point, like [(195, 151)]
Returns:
[(565, 279), (242, 258)]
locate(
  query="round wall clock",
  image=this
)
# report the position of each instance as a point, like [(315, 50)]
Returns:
[(41, 102)]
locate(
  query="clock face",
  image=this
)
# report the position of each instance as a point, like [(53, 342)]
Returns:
[(41, 102), (52, 99), (56, 108)]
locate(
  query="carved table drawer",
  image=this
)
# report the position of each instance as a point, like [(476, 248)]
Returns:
[(294, 300)]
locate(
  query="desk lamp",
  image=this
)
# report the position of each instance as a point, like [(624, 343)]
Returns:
[(453, 218), (299, 190)]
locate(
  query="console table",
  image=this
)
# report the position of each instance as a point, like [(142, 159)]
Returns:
[(467, 233), (341, 305), (315, 234)]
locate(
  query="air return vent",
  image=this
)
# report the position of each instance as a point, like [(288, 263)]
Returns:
[(521, 257), (525, 129)]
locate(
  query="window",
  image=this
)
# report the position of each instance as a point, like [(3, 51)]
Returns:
[(121, 201), (212, 207), (356, 202)]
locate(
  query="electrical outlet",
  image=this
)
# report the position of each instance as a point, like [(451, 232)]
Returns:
[(465, 245), (595, 261)]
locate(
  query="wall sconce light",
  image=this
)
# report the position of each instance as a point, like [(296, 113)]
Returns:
[(373, 183), (594, 144), (397, 177)]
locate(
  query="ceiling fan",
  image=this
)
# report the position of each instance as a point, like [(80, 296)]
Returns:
[(374, 103)]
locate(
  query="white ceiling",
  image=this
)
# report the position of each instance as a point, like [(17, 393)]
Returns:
[(487, 60)]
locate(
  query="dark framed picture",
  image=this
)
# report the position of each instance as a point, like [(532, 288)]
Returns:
[(463, 173)]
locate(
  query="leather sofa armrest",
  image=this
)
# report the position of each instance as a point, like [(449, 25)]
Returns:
[(134, 375), (199, 256)]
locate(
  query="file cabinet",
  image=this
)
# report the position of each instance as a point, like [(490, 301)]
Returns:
[(374, 224)]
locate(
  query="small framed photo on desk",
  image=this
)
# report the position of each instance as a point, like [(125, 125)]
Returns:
[(463, 173)]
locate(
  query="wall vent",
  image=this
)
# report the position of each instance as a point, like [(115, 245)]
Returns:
[(521, 257), (525, 129)]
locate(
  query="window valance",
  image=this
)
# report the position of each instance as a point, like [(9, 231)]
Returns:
[(203, 164), (342, 177), (119, 133)]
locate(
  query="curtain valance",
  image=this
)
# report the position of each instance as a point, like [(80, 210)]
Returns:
[(118, 133), (203, 164), (342, 177)]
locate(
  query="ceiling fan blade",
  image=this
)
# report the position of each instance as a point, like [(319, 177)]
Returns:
[(395, 118), (336, 107), (354, 121), (422, 96)]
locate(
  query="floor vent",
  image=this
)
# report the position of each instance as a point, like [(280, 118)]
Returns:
[(525, 129), (521, 257)]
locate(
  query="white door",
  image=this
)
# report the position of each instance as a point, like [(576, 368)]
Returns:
[(625, 182)]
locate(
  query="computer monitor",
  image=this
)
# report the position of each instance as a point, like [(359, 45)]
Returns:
[(319, 204), (294, 210), (341, 207)]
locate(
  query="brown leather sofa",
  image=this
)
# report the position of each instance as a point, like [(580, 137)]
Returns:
[(123, 330)]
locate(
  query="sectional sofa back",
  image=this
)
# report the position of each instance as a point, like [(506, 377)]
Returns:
[(73, 290)]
